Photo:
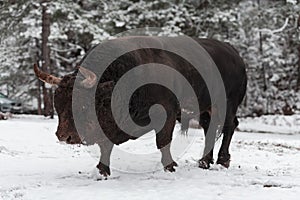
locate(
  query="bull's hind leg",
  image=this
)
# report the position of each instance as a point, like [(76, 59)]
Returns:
[(224, 157), (103, 166), (207, 158), (163, 142)]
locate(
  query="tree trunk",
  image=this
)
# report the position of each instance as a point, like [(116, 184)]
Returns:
[(47, 98), (39, 98), (298, 78), (260, 43), (39, 94), (259, 26)]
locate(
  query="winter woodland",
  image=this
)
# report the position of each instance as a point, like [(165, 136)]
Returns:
[(57, 34)]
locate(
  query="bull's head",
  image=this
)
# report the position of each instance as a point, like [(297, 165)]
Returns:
[(66, 130)]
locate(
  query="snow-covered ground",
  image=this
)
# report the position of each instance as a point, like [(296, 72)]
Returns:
[(34, 165)]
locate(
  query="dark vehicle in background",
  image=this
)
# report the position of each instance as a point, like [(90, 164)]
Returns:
[(10, 105)]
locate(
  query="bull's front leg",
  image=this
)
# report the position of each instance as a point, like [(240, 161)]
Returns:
[(167, 160), (105, 149), (163, 142)]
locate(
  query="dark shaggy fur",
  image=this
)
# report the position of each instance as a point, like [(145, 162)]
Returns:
[(229, 63)]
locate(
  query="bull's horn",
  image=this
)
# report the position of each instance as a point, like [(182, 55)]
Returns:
[(45, 77), (90, 77)]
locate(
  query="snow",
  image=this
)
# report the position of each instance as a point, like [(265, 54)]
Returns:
[(34, 165), (119, 23), (294, 2), (275, 78), (273, 123)]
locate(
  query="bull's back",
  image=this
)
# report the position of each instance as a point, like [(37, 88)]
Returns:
[(227, 59), (230, 65)]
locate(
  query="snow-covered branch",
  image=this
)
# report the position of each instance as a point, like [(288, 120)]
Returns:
[(269, 31)]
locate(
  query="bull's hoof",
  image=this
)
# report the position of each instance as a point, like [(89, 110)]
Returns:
[(204, 163), (171, 166), (224, 161), (103, 170), (225, 164)]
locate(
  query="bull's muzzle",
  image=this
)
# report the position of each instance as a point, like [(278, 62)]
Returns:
[(69, 138)]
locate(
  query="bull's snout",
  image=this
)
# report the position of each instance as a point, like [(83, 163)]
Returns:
[(69, 138), (63, 137)]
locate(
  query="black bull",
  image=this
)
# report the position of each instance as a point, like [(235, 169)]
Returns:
[(226, 58)]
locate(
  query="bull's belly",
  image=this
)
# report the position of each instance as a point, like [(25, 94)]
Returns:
[(124, 137)]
